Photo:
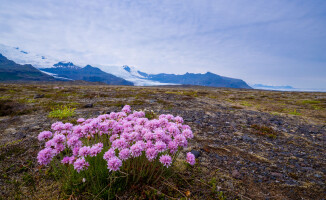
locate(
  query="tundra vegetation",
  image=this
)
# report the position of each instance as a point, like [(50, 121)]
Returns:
[(249, 144)]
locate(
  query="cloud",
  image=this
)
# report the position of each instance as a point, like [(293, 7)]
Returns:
[(271, 42)]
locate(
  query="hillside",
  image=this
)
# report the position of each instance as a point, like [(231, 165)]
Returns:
[(11, 71)]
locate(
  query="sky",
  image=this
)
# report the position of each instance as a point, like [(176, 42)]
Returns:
[(279, 42)]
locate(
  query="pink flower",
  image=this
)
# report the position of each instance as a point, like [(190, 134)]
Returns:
[(113, 115), (191, 158), (44, 135), (114, 137), (68, 160), (114, 164), (142, 121), (181, 140), (80, 164), (124, 154), (141, 143), (173, 130), (136, 150), (169, 117), (84, 151), (73, 141), (173, 146), (77, 130), (95, 149), (159, 134), (109, 154), (166, 160), (139, 114), (160, 146), (131, 135), (184, 127), (67, 126), (104, 127), (49, 144), (45, 156), (178, 119), (149, 136), (117, 129), (151, 154), (126, 109), (120, 143), (80, 120), (59, 138), (65, 160), (58, 126), (75, 150), (149, 145), (188, 133), (58, 148), (163, 121), (121, 115)]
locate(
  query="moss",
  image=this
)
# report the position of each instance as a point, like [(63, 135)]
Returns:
[(62, 112), (264, 130), (294, 112), (309, 102), (245, 103), (137, 102), (12, 108)]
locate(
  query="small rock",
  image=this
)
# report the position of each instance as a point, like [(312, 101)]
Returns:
[(195, 152), (247, 138), (89, 105), (229, 184), (20, 135), (318, 175), (279, 175), (291, 182), (236, 174), (10, 131), (38, 96), (152, 101), (214, 155)]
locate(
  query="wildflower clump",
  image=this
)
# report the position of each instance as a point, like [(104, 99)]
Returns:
[(125, 142), (62, 112)]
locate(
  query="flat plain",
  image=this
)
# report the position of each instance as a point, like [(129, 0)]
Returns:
[(251, 144)]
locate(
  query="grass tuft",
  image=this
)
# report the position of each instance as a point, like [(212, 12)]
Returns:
[(62, 112)]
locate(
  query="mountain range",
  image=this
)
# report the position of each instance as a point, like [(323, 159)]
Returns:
[(55, 69)]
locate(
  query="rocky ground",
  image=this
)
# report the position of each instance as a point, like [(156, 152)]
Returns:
[(250, 144)]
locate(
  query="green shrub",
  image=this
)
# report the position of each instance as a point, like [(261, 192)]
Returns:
[(62, 112)]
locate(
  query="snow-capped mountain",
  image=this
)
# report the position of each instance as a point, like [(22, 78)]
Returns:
[(66, 65), (42, 61)]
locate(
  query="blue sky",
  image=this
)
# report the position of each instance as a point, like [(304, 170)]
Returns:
[(279, 42)]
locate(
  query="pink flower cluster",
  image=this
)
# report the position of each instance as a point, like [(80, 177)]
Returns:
[(130, 135)]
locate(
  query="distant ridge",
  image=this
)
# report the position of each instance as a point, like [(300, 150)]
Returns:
[(208, 79), (11, 71), (87, 73)]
